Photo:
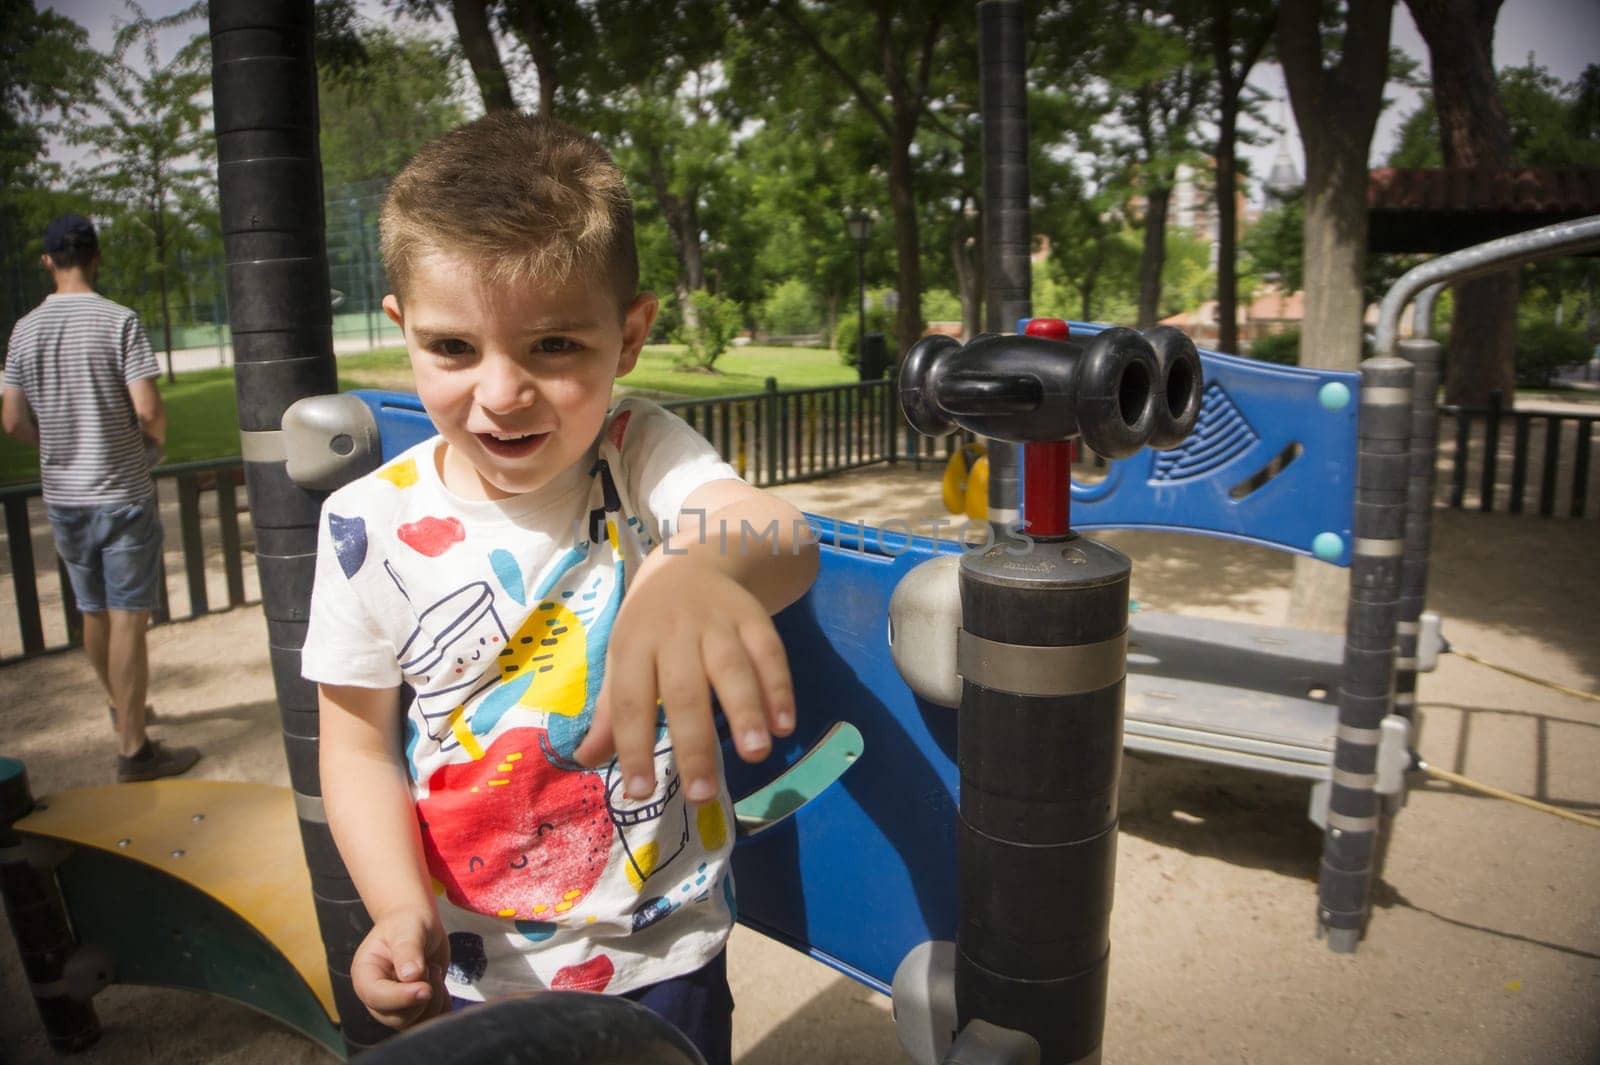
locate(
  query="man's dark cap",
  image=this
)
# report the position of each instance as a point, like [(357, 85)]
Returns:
[(70, 232)]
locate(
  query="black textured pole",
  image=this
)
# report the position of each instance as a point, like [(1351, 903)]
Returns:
[(1350, 844), (1007, 269), (38, 916), (1423, 355), (1043, 653), (264, 89)]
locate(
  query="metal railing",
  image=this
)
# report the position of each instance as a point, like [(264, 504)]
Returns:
[(1499, 457), (202, 531)]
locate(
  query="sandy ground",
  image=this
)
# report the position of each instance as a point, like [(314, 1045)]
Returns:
[(1484, 945)]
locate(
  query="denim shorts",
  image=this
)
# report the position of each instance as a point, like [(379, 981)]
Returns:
[(112, 553)]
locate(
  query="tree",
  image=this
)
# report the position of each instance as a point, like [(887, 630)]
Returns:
[(154, 145), (889, 62), (1152, 60), (45, 75), (1336, 93), (1474, 132), (1237, 40), (377, 109), (471, 21)]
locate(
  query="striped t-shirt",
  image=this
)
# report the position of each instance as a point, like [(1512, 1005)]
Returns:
[(73, 357)]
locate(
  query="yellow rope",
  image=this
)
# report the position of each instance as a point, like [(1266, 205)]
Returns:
[(1470, 657), (1520, 800)]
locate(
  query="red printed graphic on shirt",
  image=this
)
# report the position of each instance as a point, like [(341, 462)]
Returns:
[(431, 536), (511, 835)]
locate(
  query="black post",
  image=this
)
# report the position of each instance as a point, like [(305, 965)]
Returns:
[(264, 88), (861, 303), (1007, 269), (1424, 357), (1350, 845), (38, 916)]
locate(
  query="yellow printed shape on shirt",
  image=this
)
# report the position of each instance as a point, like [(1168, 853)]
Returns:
[(558, 656), (400, 474)]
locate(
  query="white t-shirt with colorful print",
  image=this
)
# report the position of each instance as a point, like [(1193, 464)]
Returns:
[(493, 618)]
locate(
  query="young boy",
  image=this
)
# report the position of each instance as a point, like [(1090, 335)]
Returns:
[(493, 615)]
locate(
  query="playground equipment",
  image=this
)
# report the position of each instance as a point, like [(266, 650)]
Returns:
[(855, 867)]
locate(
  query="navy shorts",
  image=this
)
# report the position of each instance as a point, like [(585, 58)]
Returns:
[(699, 1004), (112, 553)]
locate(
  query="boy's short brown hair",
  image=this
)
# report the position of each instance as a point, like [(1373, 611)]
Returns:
[(528, 198)]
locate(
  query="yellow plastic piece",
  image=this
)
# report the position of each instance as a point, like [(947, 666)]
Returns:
[(978, 490), (958, 471), (238, 843)]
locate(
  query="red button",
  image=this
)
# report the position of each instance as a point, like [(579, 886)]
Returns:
[(1049, 328)]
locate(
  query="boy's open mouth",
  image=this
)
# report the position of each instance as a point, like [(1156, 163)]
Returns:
[(512, 447)]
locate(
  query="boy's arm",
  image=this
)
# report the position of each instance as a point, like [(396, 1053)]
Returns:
[(399, 969), (698, 617)]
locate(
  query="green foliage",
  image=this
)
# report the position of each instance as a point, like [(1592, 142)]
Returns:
[(380, 105), (1543, 347), (941, 305), (707, 333), (790, 310), (1282, 348), (846, 335), (153, 178), (1276, 245)]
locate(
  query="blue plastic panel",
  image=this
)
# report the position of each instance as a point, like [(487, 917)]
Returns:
[(867, 870), (1252, 412), (402, 423)]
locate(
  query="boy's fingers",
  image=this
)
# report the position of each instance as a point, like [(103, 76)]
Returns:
[(597, 746), (633, 721), (727, 663), (771, 664), (687, 696), (395, 1003)]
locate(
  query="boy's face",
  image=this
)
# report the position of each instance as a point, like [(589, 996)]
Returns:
[(517, 378)]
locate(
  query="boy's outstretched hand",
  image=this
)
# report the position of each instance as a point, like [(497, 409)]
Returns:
[(686, 628), (398, 971)]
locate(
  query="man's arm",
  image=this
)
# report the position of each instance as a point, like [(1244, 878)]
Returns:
[(17, 417), (148, 405)]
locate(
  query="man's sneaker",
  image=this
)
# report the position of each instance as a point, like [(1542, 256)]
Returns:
[(154, 761)]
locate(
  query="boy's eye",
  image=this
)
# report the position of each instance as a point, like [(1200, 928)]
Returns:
[(553, 345), (450, 346)]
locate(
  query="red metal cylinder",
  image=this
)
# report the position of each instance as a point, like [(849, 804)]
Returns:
[(1046, 491)]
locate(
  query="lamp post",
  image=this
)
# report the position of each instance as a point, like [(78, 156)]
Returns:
[(859, 225)]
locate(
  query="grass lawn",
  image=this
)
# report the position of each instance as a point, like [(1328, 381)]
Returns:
[(203, 421)]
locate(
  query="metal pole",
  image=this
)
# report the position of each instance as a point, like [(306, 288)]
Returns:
[(264, 88), (1003, 103), (861, 302), (1563, 238)]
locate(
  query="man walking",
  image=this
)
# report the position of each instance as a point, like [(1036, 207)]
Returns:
[(80, 386)]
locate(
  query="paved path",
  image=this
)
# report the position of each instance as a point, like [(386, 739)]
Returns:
[(1484, 947)]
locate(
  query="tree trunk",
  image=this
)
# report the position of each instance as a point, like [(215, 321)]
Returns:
[(1474, 131), (1336, 111), (472, 29), (908, 275), (1153, 259), (536, 35)]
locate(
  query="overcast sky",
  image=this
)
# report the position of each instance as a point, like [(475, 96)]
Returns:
[(1562, 35)]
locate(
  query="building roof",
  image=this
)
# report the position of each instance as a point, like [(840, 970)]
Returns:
[(1444, 209)]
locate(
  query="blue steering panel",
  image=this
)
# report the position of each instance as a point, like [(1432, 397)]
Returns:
[(866, 870), (1254, 418)]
